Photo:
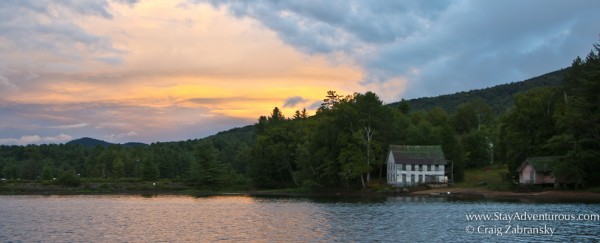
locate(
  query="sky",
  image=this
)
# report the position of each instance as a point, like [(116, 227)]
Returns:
[(165, 70)]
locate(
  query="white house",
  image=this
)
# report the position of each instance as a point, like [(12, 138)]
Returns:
[(416, 165)]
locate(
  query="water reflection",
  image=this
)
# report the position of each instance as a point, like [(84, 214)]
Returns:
[(249, 219)]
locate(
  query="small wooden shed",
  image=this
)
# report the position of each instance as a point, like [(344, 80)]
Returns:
[(538, 170)]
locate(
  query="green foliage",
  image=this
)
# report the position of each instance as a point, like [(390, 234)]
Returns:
[(529, 125), (207, 171), (404, 106), (578, 122), (150, 170), (68, 178), (271, 160), (454, 152), (477, 146), (47, 173), (339, 147), (561, 121), (118, 170), (150, 162)]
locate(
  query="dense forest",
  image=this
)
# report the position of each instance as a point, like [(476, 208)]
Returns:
[(344, 145)]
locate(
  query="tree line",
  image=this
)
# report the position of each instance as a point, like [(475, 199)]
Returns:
[(344, 145), (209, 163)]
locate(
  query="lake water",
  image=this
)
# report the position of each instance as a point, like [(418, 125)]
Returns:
[(250, 219)]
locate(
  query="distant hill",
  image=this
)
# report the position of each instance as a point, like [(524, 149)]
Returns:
[(246, 131), (89, 142), (499, 97), (92, 142), (237, 136)]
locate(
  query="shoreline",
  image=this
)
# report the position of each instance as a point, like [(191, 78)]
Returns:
[(475, 193), (452, 193)]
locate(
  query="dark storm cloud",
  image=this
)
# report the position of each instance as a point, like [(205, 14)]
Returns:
[(332, 26), (437, 46)]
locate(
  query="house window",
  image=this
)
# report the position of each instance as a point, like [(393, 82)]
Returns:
[(412, 178), (403, 166), (404, 178), (437, 168), (428, 167), (412, 167), (420, 167), (420, 178)]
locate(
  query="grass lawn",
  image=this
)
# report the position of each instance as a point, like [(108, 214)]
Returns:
[(488, 177)]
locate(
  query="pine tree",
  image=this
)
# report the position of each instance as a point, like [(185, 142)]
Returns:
[(207, 171)]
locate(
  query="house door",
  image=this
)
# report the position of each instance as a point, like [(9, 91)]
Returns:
[(532, 176)]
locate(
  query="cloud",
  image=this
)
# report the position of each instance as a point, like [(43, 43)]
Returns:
[(124, 68), (57, 139), (338, 26), (114, 121), (218, 100), (29, 139), (44, 37), (130, 3), (71, 126), (36, 139), (315, 105), (127, 66), (115, 59), (436, 47), (293, 101), (5, 83), (120, 136)]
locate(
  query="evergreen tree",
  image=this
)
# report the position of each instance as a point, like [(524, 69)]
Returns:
[(207, 171), (150, 170), (578, 122), (118, 170)]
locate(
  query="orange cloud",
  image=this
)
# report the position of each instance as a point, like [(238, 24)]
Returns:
[(185, 66), (175, 54)]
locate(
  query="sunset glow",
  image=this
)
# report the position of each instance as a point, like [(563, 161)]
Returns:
[(171, 70)]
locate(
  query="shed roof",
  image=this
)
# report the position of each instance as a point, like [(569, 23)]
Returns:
[(424, 155), (540, 164)]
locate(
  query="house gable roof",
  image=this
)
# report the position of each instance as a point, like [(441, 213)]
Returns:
[(540, 164), (423, 155)]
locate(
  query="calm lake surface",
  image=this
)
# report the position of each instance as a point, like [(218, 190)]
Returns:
[(243, 218)]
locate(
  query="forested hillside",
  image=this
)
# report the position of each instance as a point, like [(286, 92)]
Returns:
[(344, 144), (89, 142), (500, 97)]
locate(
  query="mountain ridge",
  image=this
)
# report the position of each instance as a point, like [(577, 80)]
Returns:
[(92, 142), (499, 97)]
